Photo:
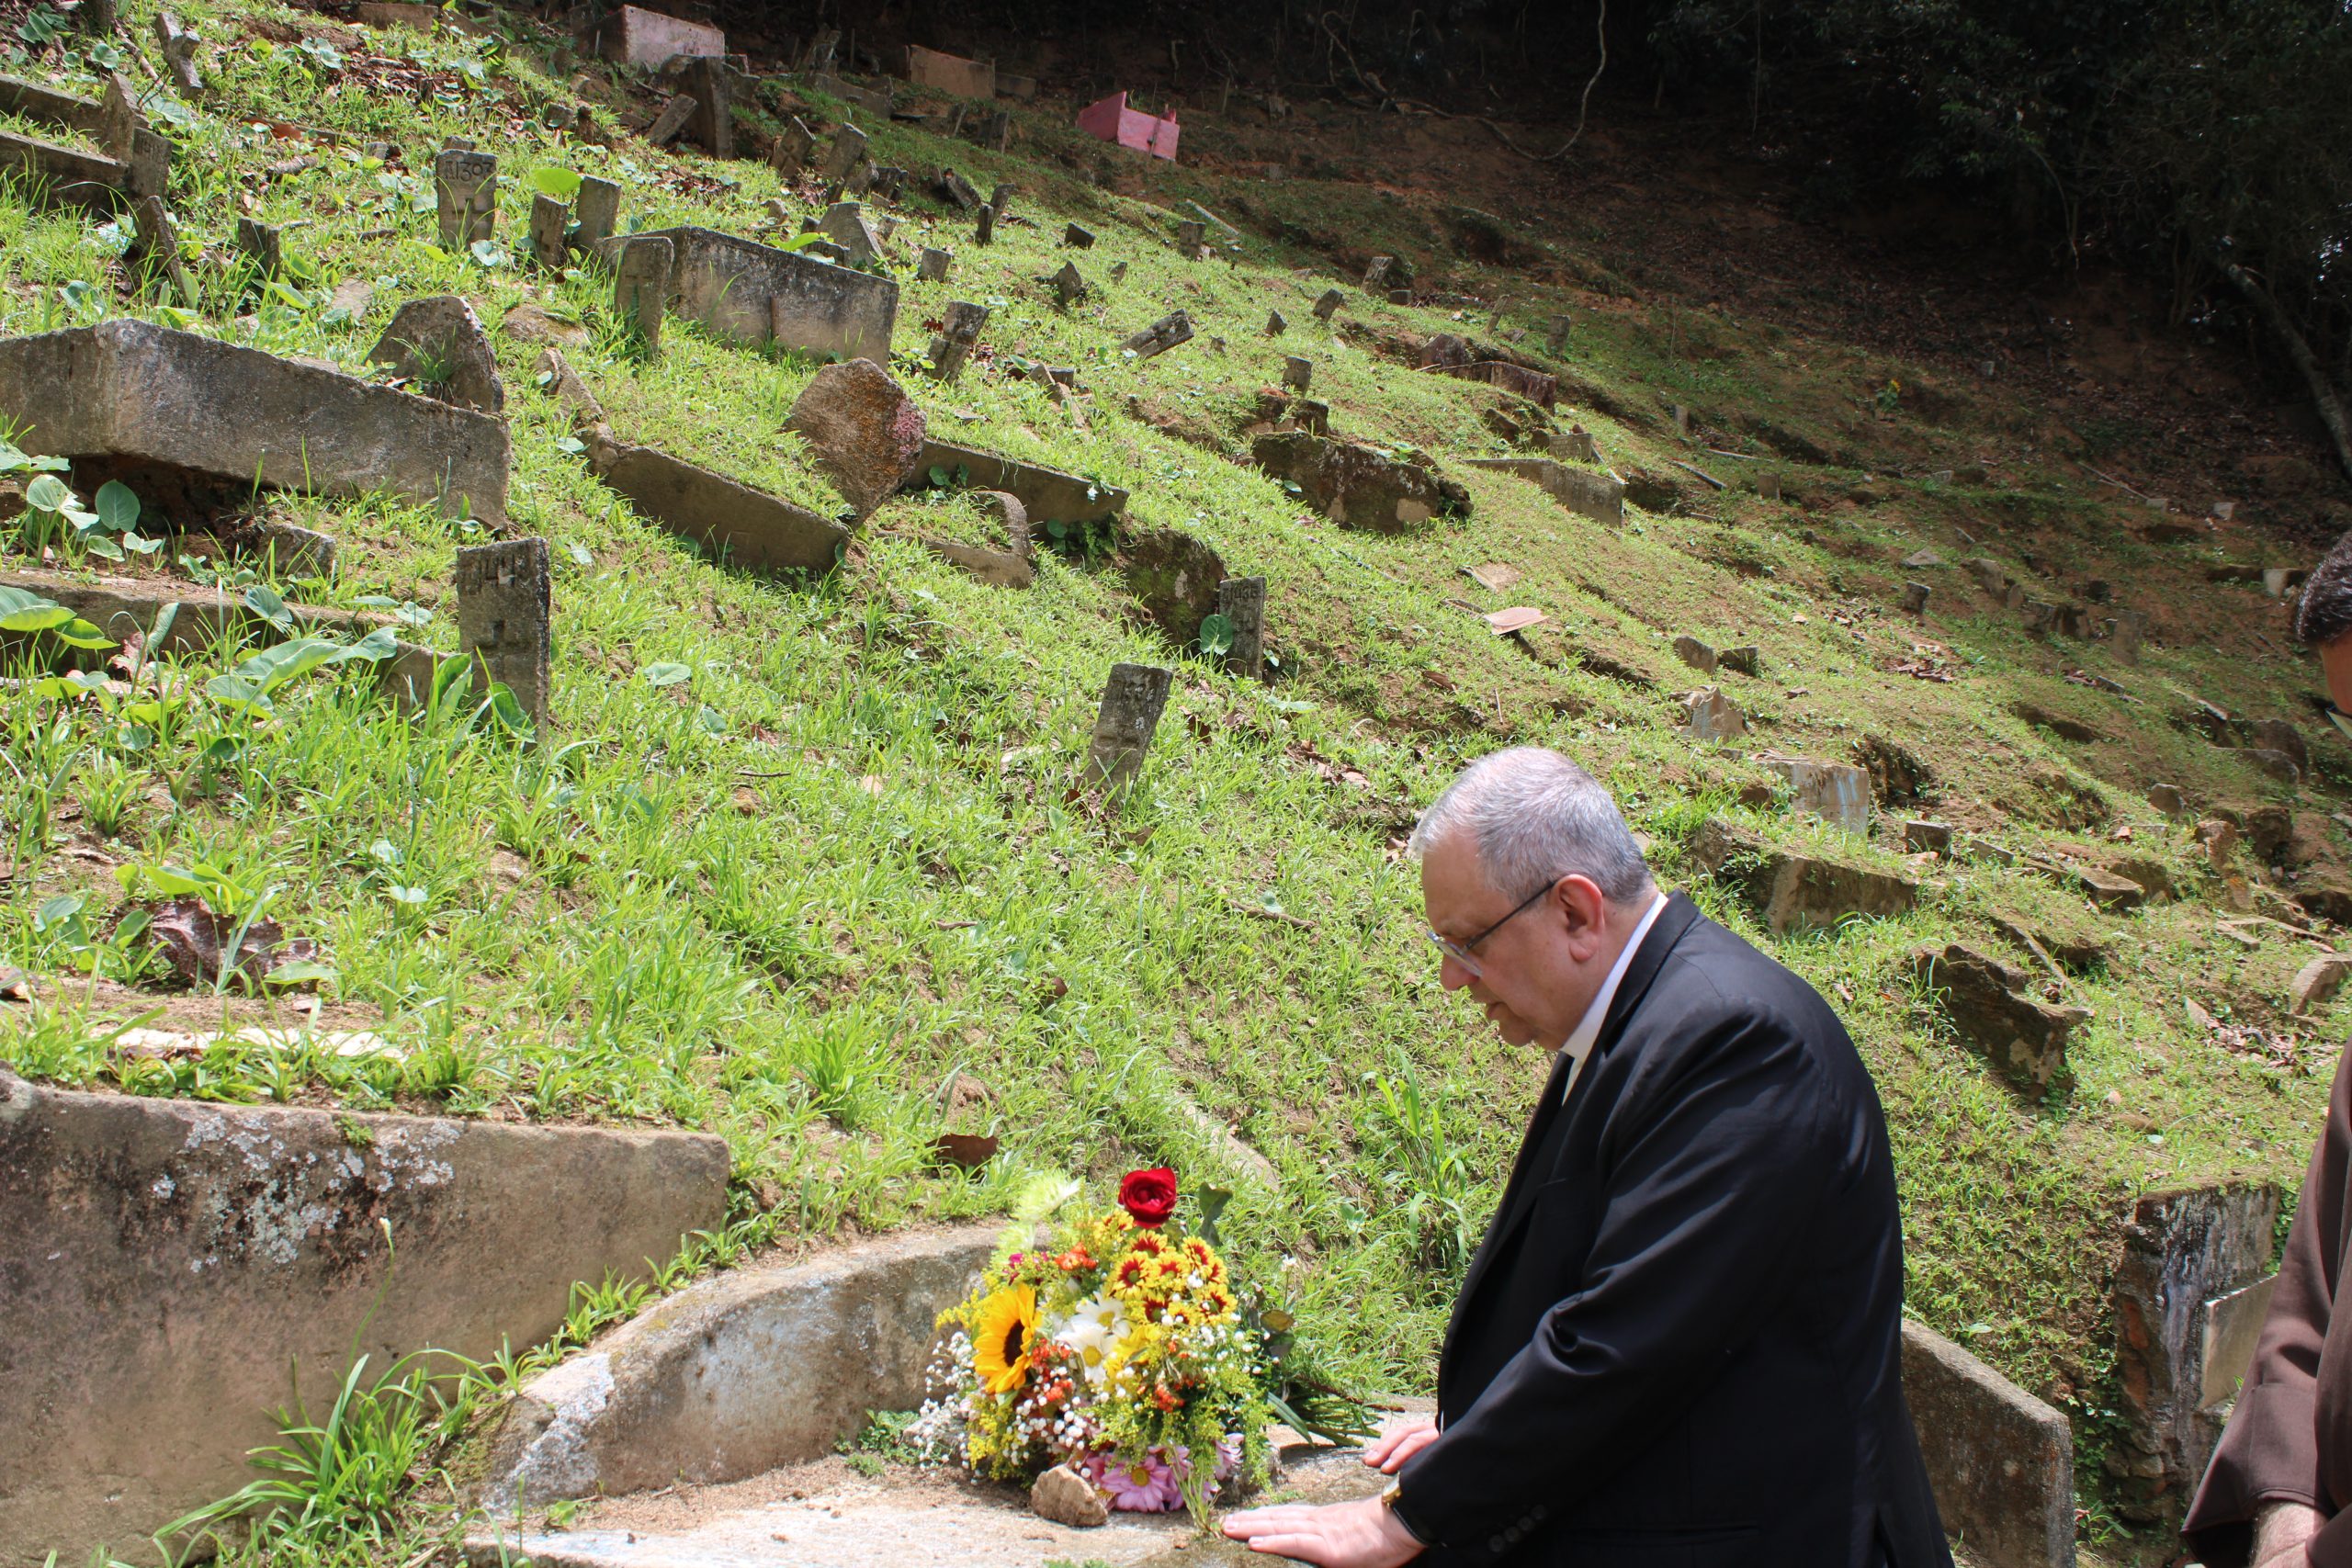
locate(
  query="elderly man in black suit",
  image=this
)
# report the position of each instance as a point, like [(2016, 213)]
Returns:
[(1679, 1346)]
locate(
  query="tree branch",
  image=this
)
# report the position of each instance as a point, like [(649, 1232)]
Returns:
[(2324, 393)]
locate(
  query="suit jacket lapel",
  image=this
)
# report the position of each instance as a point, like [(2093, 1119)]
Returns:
[(1648, 959)]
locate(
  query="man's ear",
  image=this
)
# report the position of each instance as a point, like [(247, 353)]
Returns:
[(1583, 909)]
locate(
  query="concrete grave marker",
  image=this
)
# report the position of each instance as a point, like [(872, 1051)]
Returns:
[(1601, 496), (1327, 304), (995, 130), (178, 45), (1747, 659), (1242, 601), (1079, 238), (712, 123), (156, 246), (1276, 323), (2001, 1462), (672, 121), (1118, 272), (1133, 698), (1708, 715), (1356, 485), (465, 186), (438, 343), (1298, 372), (1992, 1010), (1696, 654), (1839, 793), (1767, 484), (1558, 340), (1160, 337), (793, 146), (2124, 632), (1311, 416), (958, 333), (844, 223), (985, 231), (848, 153), (1048, 495), (1923, 836), (1681, 421), (550, 219), (1376, 272), (262, 243), (956, 190), (1070, 286), (728, 519), (1192, 234), (1914, 598), (932, 266), (649, 40), (758, 294), (642, 286), (135, 163), (950, 73), (1789, 890), (571, 393), (1576, 443), (504, 598), (863, 432), (598, 208)]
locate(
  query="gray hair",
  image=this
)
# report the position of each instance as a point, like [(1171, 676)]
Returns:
[(1535, 816)]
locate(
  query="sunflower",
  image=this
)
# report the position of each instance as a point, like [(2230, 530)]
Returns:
[(1007, 1334)]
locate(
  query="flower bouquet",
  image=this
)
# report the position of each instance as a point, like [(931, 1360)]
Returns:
[(1116, 1348)]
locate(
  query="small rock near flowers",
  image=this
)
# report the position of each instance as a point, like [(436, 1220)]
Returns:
[(1064, 1496)]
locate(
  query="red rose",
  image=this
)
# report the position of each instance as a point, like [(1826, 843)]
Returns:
[(1149, 1195)]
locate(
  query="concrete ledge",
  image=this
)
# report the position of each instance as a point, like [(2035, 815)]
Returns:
[(163, 1261), (1047, 495), (758, 294), (751, 1370), (743, 526), (2001, 1462), (130, 392)]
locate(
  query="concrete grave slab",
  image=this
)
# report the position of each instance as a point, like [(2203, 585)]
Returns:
[(863, 432), (1991, 1008), (757, 294), (165, 1259), (1600, 496), (186, 417), (950, 72), (135, 161), (1711, 716), (1110, 119), (1838, 792), (846, 224), (755, 1368), (1788, 889), (734, 522), (2231, 1329), (1356, 485), (1048, 495), (648, 40), (2000, 1461)]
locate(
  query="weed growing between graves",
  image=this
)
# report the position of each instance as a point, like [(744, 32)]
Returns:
[(792, 852)]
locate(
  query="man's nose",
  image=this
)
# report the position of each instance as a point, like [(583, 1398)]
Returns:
[(1453, 974)]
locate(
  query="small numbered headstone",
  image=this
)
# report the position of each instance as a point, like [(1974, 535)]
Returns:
[(848, 151), (1297, 371), (1161, 336), (1002, 198), (846, 224), (956, 336), (549, 218), (1078, 238), (1681, 419), (986, 233), (1191, 235), (793, 147), (713, 121), (1133, 699), (1311, 416), (995, 130), (932, 266), (671, 120), (465, 184), (1276, 323), (1118, 272), (1242, 601), (156, 246), (642, 286), (503, 617), (1070, 286), (1376, 273), (1914, 598), (1328, 305), (1400, 297), (179, 53), (598, 208), (1558, 341), (1767, 485)]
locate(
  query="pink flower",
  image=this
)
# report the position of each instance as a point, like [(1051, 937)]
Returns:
[(1145, 1487)]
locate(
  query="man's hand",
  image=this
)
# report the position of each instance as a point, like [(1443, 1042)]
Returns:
[(1362, 1534), (2282, 1531), (1399, 1443)]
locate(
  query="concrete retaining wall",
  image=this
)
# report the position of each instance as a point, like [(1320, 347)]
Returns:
[(161, 1262)]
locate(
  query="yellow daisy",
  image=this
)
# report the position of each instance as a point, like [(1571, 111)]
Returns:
[(1007, 1334)]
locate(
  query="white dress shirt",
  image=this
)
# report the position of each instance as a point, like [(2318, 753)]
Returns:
[(1588, 1029)]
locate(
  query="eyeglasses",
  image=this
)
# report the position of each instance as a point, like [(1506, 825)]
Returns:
[(2339, 718), (1462, 953)]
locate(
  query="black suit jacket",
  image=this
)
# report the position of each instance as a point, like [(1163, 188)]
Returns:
[(1679, 1346)]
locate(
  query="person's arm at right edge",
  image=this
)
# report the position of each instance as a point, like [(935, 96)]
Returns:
[(2260, 1497)]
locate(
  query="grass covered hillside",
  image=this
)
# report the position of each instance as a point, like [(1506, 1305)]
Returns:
[(813, 862)]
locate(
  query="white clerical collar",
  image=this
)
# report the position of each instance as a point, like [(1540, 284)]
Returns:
[(1588, 1029)]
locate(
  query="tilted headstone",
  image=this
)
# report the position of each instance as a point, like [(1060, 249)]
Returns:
[(156, 247), (861, 430), (465, 188), (1914, 598), (1242, 601), (844, 223), (793, 146), (1002, 198), (1558, 340), (860, 178), (1276, 323), (1078, 238), (1328, 305), (1376, 273), (2124, 635), (1069, 285), (504, 618), (437, 342), (1161, 336), (598, 208), (261, 243), (1118, 272), (1311, 416), (986, 231), (956, 190), (713, 121), (1133, 699), (550, 219), (642, 286), (178, 45), (932, 268), (995, 130), (956, 336), (848, 153), (1191, 235), (1708, 715), (671, 120), (1297, 371)]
